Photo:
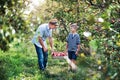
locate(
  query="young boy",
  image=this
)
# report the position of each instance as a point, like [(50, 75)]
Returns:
[(73, 44)]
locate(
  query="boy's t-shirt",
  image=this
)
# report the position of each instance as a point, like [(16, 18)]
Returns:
[(73, 40)]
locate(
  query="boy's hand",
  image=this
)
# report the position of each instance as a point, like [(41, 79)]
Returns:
[(66, 52), (76, 53)]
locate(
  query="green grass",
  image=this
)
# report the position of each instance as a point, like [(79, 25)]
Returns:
[(20, 62)]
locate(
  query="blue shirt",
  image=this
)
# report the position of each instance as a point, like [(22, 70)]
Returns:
[(73, 41), (43, 31)]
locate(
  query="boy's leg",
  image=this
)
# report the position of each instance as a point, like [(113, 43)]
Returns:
[(40, 57), (73, 59), (70, 57)]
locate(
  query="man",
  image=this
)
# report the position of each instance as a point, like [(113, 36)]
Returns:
[(43, 32)]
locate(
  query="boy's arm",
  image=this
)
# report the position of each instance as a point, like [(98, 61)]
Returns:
[(78, 49), (66, 48), (67, 44)]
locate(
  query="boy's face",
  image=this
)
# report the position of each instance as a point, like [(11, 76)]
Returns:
[(72, 29)]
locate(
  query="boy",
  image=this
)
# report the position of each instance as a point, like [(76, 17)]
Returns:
[(73, 44)]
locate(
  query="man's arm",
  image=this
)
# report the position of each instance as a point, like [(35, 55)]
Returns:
[(42, 44), (51, 43)]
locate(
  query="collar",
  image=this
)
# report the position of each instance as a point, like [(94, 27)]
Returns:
[(73, 33), (47, 27)]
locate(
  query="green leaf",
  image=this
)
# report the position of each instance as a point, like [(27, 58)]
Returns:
[(93, 44)]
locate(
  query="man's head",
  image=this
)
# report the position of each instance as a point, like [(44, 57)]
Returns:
[(73, 27), (53, 23)]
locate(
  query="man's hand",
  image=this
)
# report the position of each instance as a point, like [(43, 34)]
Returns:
[(45, 49), (52, 50)]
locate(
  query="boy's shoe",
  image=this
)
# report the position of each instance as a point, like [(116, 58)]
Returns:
[(74, 71), (69, 70)]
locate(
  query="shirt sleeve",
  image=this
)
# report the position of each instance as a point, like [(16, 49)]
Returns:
[(78, 40), (39, 32), (50, 33), (67, 38)]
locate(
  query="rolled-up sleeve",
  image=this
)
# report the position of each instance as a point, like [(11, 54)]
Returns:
[(39, 32), (67, 38), (50, 33)]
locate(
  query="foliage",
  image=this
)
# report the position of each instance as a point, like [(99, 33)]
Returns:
[(98, 64), (12, 23), (14, 64), (19, 63), (105, 34)]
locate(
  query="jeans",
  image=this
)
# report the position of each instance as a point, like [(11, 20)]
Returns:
[(42, 57)]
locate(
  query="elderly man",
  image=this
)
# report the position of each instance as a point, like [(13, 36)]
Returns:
[(43, 32)]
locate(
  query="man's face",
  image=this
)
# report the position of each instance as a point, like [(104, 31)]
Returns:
[(52, 26)]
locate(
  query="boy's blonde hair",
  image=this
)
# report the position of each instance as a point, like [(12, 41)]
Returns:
[(74, 25)]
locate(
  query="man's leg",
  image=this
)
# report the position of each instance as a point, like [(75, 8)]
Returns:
[(45, 54), (40, 57)]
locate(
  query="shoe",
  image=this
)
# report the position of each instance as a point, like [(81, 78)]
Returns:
[(69, 70), (42, 70)]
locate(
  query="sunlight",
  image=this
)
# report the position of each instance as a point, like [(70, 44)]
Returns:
[(37, 2), (33, 4)]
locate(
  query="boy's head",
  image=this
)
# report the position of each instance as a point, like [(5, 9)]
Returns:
[(53, 23), (73, 27)]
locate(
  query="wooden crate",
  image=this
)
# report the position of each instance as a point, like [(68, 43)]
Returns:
[(58, 55)]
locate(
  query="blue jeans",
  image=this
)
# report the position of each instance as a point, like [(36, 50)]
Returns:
[(42, 57)]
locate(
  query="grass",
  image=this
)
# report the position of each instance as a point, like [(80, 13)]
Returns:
[(20, 63)]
